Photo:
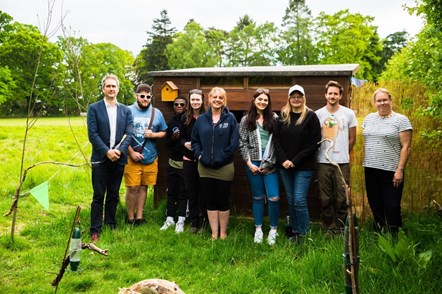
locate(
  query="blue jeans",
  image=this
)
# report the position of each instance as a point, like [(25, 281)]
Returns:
[(296, 184), (264, 186)]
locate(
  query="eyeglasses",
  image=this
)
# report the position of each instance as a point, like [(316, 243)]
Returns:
[(179, 104), (196, 91), (145, 96), (296, 97)]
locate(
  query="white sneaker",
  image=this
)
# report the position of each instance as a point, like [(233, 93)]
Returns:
[(179, 228), (258, 236), (271, 239), (167, 224)]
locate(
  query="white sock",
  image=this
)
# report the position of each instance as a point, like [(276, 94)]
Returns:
[(181, 219)]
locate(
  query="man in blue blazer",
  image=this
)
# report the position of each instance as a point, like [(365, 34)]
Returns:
[(109, 126)]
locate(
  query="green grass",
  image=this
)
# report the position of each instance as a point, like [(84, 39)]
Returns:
[(197, 264)]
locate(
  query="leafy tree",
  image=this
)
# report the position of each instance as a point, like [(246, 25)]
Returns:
[(348, 38), (5, 25), (217, 40), (26, 52), (296, 41), (191, 49), (7, 85), (420, 61), (101, 59), (390, 45), (154, 55), (431, 10), (251, 45)]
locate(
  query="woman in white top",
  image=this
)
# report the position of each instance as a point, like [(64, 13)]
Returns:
[(387, 137)]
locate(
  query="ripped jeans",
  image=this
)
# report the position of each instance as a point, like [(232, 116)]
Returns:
[(264, 187)]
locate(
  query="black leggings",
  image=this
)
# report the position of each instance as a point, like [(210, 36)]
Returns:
[(217, 193)]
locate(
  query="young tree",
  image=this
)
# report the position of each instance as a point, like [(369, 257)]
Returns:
[(296, 41)]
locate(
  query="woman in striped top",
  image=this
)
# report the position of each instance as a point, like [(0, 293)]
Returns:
[(387, 137)]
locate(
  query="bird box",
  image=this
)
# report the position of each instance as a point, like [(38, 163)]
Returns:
[(169, 91)]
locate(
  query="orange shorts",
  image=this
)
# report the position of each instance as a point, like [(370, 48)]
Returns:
[(137, 174)]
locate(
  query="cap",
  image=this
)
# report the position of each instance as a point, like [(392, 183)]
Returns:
[(296, 88)]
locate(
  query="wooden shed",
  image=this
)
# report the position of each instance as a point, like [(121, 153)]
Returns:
[(240, 83)]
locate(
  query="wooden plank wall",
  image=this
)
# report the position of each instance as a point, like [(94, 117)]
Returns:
[(239, 103)]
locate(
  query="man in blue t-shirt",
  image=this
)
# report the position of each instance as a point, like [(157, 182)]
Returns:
[(142, 168)]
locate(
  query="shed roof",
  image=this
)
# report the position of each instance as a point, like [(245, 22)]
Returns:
[(294, 70)]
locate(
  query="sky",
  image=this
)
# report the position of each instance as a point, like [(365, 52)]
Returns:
[(125, 23)]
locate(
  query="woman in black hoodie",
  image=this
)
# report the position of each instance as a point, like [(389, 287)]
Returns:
[(197, 205)]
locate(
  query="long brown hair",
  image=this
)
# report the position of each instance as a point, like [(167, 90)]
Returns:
[(252, 115), (189, 113)]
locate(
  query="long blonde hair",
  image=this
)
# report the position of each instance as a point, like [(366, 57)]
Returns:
[(285, 112)]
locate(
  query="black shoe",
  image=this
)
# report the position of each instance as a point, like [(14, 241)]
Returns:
[(194, 230), (130, 221), (297, 239), (139, 222)]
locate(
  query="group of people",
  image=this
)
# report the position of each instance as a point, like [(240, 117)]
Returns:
[(274, 147)]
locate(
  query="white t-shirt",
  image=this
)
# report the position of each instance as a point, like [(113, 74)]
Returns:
[(343, 120), (382, 143)]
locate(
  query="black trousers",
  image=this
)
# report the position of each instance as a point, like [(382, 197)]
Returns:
[(176, 192), (197, 203), (384, 199), (106, 181)]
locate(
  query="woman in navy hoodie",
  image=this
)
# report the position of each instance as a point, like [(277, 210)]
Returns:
[(215, 138)]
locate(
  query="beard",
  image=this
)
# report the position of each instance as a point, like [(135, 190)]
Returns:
[(141, 106)]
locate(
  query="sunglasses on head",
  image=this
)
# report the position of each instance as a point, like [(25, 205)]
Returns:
[(196, 91), (179, 104), (145, 96), (262, 90)]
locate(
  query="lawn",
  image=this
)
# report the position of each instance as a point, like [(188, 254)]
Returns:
[(197, 264)]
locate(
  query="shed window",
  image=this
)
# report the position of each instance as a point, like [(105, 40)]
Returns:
[(223, 82), (270, 81)]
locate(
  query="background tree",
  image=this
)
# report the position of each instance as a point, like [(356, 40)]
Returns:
[(25, 51), (190, 49), (7, 85), (390, 45), (154, 55), (348, 38), (296, 41), (217, 40), (420, 62), (251, 45)]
